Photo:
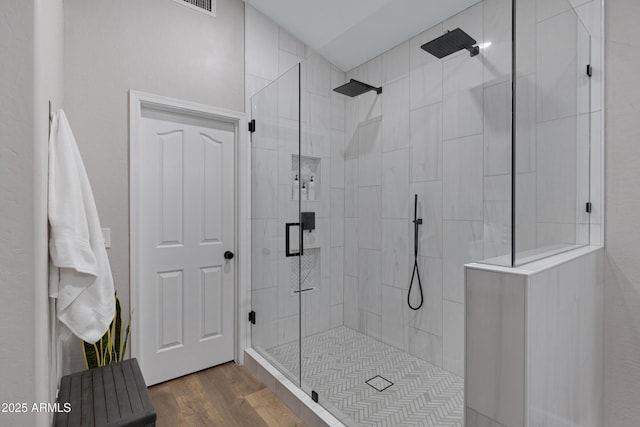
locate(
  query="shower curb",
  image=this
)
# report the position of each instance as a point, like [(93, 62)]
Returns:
[(310, 412)]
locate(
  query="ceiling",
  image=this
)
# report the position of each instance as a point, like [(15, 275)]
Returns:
[(350, 32)]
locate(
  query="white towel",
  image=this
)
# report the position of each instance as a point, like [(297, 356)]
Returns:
[(81, 276)]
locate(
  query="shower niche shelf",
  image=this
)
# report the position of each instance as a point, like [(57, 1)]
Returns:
[(307, 167)]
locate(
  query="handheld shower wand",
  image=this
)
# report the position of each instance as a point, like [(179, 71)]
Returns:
[(416, 271)]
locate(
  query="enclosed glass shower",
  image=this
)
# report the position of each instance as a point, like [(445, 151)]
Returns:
[(495, 148)]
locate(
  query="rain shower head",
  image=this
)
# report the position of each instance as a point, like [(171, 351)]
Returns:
[(451, 42), (355, 88)]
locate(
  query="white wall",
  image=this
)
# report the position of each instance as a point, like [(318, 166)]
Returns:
[(155, 46), (48, 86), (31, 69), (622, 238), (17, 278)]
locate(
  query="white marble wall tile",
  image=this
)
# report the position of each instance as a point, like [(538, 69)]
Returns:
[(370, 103), (288, 304), (564, 318), (352, 124), (369, 221), (287, 96), (476, 419), (430, 210), (426, 143), (548, 8), (287, 61), (425, 346), (583, 169), (338, 101), (262, 45), (318, 75), (462, 179), (351, 303), (395, 115), (495, 325), (429, 317), (265, 112), (557, 70), (337, 315), (552, 234), (316, 311), (525, 205), (369, 154), (497, 129), (337, 217), (497, 188), (596, 167), (463, 96), (253, 85), (264, 253), (497, 234), (289, 43), (497, 32), (351, 188), (395, 63), (264, 185), (590, 14), (318, 143), (337, 275), (394, 329), (371, 324), (463, 242), (395, 262), (526, 37), (288, 329), (453, 337), (351, 247), (525, 141), (337, 158), (395, 184), (425, 75), (369, 291), (557, 170)]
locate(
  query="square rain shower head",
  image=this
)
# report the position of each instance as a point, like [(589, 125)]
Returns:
[(355, 88), (451, 42)]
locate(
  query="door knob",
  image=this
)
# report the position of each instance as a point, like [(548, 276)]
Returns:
[(228, 255)]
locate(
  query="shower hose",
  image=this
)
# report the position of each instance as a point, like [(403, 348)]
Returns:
[(416, 271)]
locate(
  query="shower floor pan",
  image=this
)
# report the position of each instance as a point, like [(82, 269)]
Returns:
[(340, 365)]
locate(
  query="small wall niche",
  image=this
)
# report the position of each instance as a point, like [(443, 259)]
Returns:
[(307, 167)]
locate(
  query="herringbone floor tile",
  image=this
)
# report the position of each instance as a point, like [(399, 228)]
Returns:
[(337, 363)]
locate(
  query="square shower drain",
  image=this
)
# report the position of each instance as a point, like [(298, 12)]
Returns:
[(379, 383)]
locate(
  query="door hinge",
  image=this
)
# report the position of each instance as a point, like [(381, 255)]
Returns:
[(252, 317), (314, 396), (252, 125), (589, 70), (588, 207)]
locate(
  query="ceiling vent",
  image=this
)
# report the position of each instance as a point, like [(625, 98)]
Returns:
[(204, 6)]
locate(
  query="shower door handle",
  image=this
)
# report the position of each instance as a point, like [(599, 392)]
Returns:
[(287, 235)]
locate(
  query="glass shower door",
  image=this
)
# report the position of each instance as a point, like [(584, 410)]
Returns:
[(552, 130), (275, 219)]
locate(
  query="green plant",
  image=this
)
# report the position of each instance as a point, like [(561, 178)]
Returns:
[(111, 348)]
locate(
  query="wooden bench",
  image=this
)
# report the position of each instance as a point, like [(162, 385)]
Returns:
[(112, 395)]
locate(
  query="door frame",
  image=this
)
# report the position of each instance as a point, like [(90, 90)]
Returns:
[(242, 199)]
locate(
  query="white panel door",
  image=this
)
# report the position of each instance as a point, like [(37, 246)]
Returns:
[(186, 226)]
